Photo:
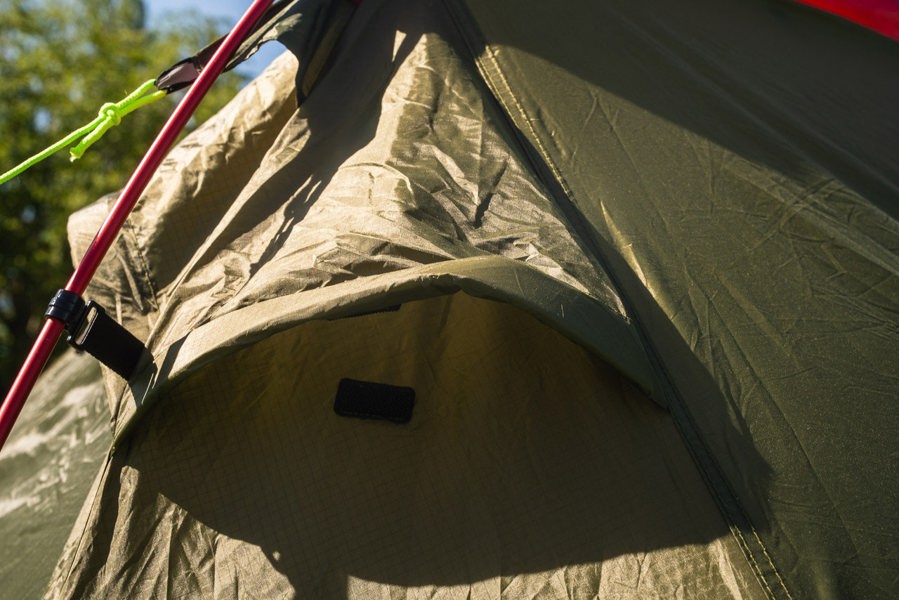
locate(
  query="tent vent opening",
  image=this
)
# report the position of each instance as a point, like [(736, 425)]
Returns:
[(369, 400)]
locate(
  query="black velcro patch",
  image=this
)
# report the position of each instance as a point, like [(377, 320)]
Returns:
[(368, 400)]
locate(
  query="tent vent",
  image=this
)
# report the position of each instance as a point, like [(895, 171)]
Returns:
[(368, 400)]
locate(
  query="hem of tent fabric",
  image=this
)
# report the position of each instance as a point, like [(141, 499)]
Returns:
[(573, 313)]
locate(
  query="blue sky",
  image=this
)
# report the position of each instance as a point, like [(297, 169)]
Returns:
[(230, 10)]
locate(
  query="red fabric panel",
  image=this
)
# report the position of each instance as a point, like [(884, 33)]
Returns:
[(880, 15)]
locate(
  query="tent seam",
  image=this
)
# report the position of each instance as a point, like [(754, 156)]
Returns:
[(501, 89), (735, 531), (488, 52), (726, 500), (774, 568), (131, 231)]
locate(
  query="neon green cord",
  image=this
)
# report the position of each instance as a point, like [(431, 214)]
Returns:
[(109, 116)]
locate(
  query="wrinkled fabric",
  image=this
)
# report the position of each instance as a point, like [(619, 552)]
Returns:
[(737, 165), (258, 266), (46, 470), (436, 181), (394, 164), (640, 278), (514, 478)]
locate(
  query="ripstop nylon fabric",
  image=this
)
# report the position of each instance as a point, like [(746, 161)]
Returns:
[(736, 165), (646, 267), (410, 190), (529, 470)]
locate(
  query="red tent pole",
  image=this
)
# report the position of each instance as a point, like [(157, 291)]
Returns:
[(49, 335)]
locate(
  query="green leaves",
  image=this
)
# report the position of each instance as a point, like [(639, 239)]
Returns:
[(59, 62)]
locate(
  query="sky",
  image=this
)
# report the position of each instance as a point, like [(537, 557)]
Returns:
[(230, 10), (218, 8)]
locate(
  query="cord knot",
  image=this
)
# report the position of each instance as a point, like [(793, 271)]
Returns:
[(109, 116), (111, 112)]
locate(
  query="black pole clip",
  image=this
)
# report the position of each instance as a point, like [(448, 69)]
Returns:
[(93, 331)]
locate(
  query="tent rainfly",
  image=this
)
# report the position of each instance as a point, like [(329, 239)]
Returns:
[(489, 299)]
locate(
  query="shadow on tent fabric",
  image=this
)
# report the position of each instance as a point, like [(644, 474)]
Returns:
[(738, 156), (525, 456), (246, 457), (780, 84)]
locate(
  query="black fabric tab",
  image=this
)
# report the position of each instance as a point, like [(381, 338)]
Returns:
[(309, 29), (93, 331), (105, 339), (368, 400), (183, 73)]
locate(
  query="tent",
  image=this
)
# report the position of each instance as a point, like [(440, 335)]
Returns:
[(525, 300)]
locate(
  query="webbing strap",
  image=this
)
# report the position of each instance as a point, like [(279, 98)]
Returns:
[(276, 24), (93, 331), (183, 73)]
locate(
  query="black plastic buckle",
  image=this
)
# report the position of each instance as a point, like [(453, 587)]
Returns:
[(67, 307), (93, 331)]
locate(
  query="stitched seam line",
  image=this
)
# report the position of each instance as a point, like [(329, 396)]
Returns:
[(747, 551), (488, 51), (492, 73), (774, 568)]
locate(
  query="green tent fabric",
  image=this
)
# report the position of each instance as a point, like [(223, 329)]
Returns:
[(46, 470), (637, 262)]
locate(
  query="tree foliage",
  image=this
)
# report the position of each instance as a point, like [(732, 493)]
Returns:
[(59, 62)]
